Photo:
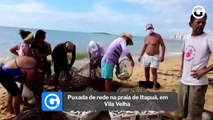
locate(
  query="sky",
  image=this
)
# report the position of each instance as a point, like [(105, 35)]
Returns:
[(169, 17)]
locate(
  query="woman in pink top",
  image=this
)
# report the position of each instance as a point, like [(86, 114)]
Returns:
[(24, 48)]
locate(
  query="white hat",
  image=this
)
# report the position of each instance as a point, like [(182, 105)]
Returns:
[(93, 46)]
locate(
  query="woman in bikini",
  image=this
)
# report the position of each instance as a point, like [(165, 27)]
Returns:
[(21, 70)]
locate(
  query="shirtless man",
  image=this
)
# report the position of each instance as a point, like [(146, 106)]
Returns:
[(152, 57)]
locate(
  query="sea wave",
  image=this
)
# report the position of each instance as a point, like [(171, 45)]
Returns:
[(82, 57), (79, 56), (173, 53), (7, 58)]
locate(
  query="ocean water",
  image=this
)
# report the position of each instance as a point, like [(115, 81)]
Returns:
[(9, 36)]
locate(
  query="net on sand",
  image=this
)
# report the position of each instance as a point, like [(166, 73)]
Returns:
[(124, 70), (75, 78)]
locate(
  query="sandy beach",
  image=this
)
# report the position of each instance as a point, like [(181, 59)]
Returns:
[(167, 77)]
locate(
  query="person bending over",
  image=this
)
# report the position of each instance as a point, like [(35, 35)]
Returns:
[(22, 70), (60, 59)]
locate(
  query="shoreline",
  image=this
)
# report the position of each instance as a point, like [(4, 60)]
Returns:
[(82, 56), (167, 77)]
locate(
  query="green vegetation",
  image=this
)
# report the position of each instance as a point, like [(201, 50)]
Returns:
[(79, 56)]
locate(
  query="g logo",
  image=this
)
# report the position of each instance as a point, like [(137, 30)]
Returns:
[(198, 12), (52, 101)]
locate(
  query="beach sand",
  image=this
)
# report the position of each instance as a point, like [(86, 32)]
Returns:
[(167, 77)]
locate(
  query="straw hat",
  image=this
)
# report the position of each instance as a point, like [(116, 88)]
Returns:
[(128, 35)]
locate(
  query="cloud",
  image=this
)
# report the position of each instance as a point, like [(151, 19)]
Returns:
[(165, 15), (23, 14), (36, 15), (160, 5), (171, 16), (166, 9)]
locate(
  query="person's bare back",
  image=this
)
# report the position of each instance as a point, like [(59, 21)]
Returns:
[(153, 43)]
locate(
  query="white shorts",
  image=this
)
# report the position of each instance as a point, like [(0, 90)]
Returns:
[(151, 61)]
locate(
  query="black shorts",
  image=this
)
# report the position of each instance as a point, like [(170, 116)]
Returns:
[(9, 83), (58, 66)]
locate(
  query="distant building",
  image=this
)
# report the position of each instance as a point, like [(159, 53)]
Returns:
[(176, 37)]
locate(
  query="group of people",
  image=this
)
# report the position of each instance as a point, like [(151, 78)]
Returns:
[(32, 59), (30, 68), (31, 64), (108, 60)]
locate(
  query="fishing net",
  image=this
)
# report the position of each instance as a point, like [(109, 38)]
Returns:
[(124, 70), (75, 78), (30, 114)]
